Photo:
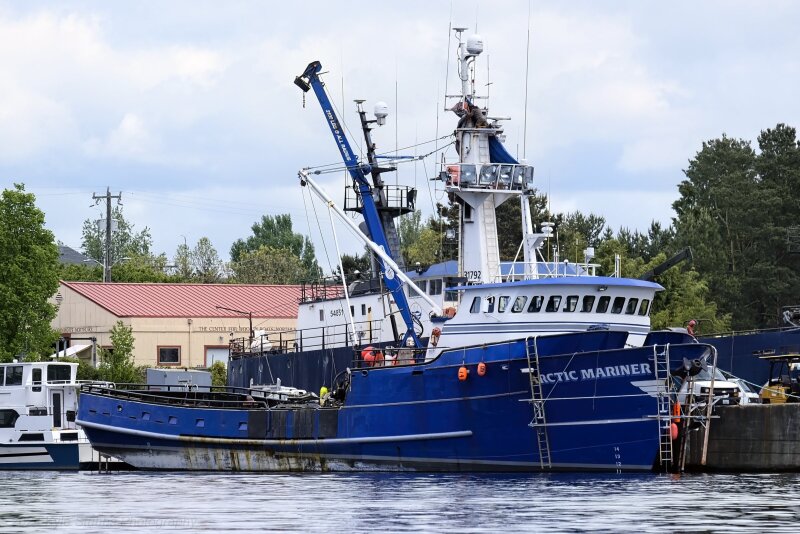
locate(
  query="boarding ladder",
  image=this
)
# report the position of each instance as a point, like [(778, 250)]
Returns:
[(539, 422), (490, 234), (664, 417)]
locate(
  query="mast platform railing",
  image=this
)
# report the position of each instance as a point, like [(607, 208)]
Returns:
[(492, 176)]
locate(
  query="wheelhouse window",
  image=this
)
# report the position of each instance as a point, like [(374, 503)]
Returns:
[(169, 355), (553, 303), (8, 418), (536, 304), (435, 287), (630, 309), (588, 304), (58, 373), (502, 303), (36, 379), (422, 285), (602, 304), (490, 304), (519, 304), (476, 305), (322, 315), (572, 303), (619, 303), (14, 375), (645, 307)]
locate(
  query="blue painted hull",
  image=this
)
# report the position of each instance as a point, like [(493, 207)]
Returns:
[(39, 456), (600, 416)]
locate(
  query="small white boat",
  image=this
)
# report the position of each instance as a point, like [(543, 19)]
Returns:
[(38, 404)]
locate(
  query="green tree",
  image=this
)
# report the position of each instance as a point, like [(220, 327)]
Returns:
[(125, 242), (219, 374), (89, 272), (28, 277), (184, 271), (139, 269), (737, 210), (268, 265), (509, 223), (353, 263), (117, 365), (205, 262), (277, 233)]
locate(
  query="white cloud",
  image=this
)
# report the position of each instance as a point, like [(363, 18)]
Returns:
[(129, 140)]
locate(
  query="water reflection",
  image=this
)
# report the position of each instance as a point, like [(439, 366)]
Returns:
[(192, 502)]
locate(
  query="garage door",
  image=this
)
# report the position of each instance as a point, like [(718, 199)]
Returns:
[(216, 355)]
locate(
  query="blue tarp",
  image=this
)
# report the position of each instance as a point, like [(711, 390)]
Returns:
[(498, 153)]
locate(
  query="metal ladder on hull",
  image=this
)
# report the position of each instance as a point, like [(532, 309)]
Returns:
[(664, 417), (539, 422)]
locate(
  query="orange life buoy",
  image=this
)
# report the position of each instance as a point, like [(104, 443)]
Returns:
[(463, 372)]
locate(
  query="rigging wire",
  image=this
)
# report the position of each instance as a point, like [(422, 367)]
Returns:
[(525, 108)]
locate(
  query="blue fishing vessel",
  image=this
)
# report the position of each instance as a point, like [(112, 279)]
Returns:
[(551, 367)]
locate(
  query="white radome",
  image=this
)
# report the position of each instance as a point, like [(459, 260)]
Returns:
[(474, 44)]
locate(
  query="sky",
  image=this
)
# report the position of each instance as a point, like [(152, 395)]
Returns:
[(188, 107)]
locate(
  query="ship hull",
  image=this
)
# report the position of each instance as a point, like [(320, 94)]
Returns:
[(599, 403)]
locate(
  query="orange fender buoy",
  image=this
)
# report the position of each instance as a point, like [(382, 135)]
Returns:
[(368, 355), (674, 431), (481, 369), (463, 372), (676, 412)]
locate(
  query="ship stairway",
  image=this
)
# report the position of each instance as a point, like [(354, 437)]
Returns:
[(539, 421), (490, 234), (393, 240), (664, 417)]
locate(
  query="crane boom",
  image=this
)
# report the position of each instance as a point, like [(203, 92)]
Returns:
[(358, 172)]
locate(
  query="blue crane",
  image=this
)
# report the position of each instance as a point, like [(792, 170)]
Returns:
[(310, 80)]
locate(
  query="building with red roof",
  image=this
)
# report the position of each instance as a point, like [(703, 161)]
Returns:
[(181, 325)]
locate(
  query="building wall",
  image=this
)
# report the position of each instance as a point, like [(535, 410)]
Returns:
[(78, 316)]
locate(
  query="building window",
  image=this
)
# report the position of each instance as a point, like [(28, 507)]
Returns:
[(630, 309), (645, 307), (503, 304), (519, 304), (435, 287), (363, 309), (536, 304), (476, 305), (602, 304), (169, 355), (14, 375), (588, 303), (553, 303), (572, 303), (8, 418), (619, 303)]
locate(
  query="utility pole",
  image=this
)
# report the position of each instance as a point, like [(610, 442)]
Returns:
[(107, 256)]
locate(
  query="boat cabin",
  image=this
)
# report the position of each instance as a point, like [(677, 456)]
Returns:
[(36, 398)]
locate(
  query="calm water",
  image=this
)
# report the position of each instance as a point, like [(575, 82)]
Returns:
[(337, 503)]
